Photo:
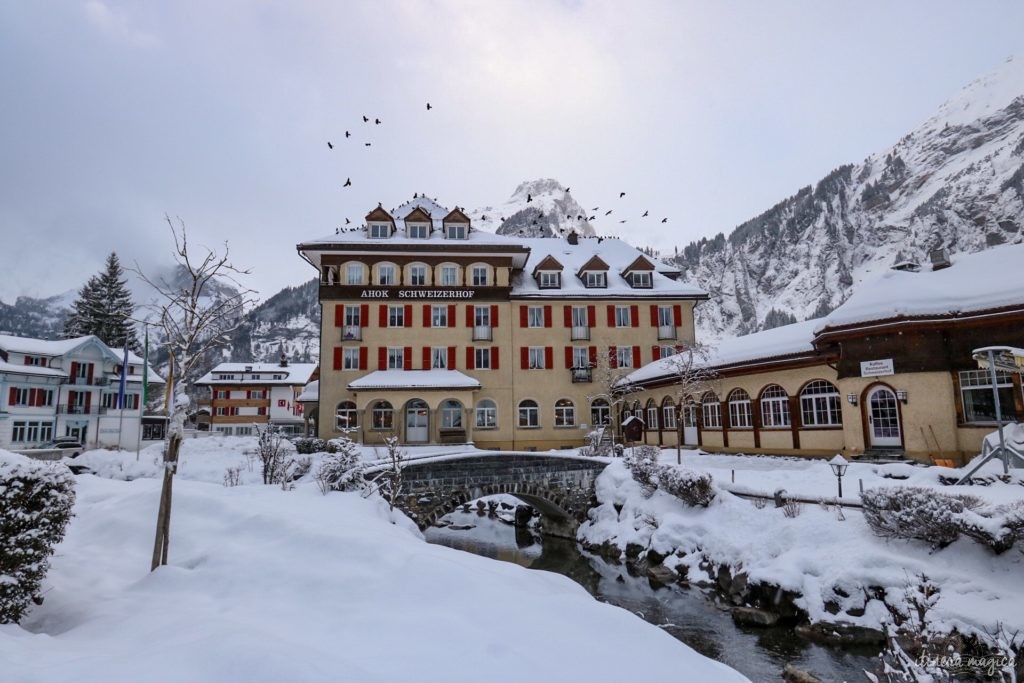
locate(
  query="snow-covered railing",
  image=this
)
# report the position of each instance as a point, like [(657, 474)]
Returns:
[(744, 492), (377, 465)]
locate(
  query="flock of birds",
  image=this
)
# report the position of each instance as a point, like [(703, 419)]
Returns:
[(529, 196)]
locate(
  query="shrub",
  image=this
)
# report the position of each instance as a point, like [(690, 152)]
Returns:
[(693, 488), (274, 454), (341, 470), (308, 446), (642, 462), (792, 508), (913, 512), (233, 476), (35, 508)]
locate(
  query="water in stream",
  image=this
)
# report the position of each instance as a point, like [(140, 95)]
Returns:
[(689, 614)]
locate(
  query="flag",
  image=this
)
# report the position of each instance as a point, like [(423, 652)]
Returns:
[(124, 378), (145, 372)]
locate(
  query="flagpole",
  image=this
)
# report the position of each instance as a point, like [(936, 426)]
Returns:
[(121, 395), (145, 391)]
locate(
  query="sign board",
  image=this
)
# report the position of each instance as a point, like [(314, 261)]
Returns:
[(876, 368)]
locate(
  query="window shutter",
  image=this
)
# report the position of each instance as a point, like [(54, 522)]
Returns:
[(364, 315), (592, 352), (654, 315), (88, 401), (613, 356), (611, 316), (382, 358), (547, 316), (339, 315), (494, 315), (634, 316), (426, 358), (407, 356), (470, 358), (408, 316), (28, 360), (549, 357), (363, 361), (592, 316), (677, 315), (74, 370), (88, 373), (524, 358), (72, 396), (636, 356), (12, 396), (656, 352), (469, 316), (568, 357), (567, 316), (451, 315), (427, 321), (383, 316), (494, 357), (523, 322), (451, 357), (337, 358)]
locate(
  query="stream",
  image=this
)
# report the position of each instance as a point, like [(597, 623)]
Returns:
[(691, 615)]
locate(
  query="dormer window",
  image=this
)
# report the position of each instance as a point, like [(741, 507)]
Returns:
[(549, 279), (419, 231), (595, 279), (455, 231), (380, 231), (641, 280)]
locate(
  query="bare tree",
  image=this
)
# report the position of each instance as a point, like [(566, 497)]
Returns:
[(389, 481), (196, 317), (611, 384), (692, 376), (274, 453)]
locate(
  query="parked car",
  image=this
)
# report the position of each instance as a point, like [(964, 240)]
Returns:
[(73, 446)]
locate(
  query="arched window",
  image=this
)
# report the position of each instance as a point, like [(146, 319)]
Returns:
[(652, 414), (346, 417), (382, 416), (418, 274), (354, 273), (451, 415), (774, 406), (565, 413), (387, 274), (529, 414), (486, 414), (600, 412), (820, 405), (669, 418), (711, 410), (739, 410)]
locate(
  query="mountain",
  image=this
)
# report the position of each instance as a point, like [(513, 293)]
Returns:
[(955, 182), (32, 317), (538, 208)]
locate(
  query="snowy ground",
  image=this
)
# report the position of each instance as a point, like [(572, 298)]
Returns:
[(269, 585)]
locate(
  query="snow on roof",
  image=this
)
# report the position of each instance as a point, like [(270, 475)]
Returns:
[(988, 279), (15, 368), (293, 373), (787, 340), (60, 347), (414, 379), (310, 392)]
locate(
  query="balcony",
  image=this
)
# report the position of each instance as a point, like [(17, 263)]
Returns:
[(65, 409), (580, 333), (483, 333), (99, 381), (580, 375), (667, 332), (351, 333)]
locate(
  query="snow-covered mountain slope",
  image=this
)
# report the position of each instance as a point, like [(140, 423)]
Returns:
[(538, 208), (32, 317), (957, 182)]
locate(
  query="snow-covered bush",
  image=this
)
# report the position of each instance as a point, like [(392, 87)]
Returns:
[(913, 512), (309, 446), (274, 454), (691, 487), (341, 470), (997, 527), (35, 508), (642, 462)]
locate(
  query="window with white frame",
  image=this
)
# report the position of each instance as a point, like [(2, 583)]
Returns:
[(652, 416), (669, 418), (580, 319), (479, 276), (624, 356), (600, 412), (775, 407), (380, 231), (666, 351), (243, 431), (352, 316), (529, 414), (456, 231), (740, 414), (439, 316), (386, 274), (535, 356), (641, 280), (622, 317), (350, 358), (535, 316), (396, 358), (396, 316), (449, 276), (31, 431), (418, 230), (486, 414), (354, 274), (595, 278), (820, 405), (976, 395), (482, 316), (565, 413), (482, 358), (451, 415), (418, 275), (580, 357), (550, 279), (711, 411), (382, 416), (439, 358), (346, 416), (666, 317)]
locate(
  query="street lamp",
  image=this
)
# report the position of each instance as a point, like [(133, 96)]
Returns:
[(839, 465)]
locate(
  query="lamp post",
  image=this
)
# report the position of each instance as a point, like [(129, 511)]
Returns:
[(839, 465)]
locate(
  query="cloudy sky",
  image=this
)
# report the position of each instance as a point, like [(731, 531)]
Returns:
[(115, 113)]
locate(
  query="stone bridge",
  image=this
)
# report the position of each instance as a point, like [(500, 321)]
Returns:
[(561, 488)]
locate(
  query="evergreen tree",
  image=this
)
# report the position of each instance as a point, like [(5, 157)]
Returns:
[(104, 308)]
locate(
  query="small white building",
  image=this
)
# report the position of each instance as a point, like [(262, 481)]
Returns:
[(246, 394), (69, 388)]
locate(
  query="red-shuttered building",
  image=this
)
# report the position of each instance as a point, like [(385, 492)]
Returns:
[(441, 333)]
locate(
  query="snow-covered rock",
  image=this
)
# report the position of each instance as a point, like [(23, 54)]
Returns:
[(538, 208)]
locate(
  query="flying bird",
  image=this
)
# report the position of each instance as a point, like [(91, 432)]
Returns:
[(367, 144), (529, 197), (664, 220), (623, 220), (376, 121), (592, 218), (567, 190), (608, 212), (365, 119), (348, 182), (621, 195), (596, 208), (645, 214), (347, 134), (347, 221), (329, 145), (428, 106)]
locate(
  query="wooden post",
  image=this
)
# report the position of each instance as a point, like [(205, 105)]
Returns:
[(163, 518)]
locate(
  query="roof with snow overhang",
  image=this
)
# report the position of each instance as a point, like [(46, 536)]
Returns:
[(260, 373), (414, 379), (310, 393)]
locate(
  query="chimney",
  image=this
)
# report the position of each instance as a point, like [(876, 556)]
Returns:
[(573, 238), (284, 361), (940, 258)]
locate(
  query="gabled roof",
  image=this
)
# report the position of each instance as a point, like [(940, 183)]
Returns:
[(549, 262), (417, 215), (456, 216), (594, 263), (640, 264), (379, 214), (293, 373)]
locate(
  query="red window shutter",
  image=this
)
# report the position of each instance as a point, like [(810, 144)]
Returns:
[(611, 316), (654, 316), (339, 315), (656, 352), (337, 358), (592, 316), (636, 356), (364, 315), (451, 315), (494, 357), (382, 358), (567, 316), (451, 357), (547, 316), (88, 373), (549, 357), (28, 360), (634, 316), (613, 356), (248, 393), (494, 315), (426, 357), (592, 352), (12, 396), (677, 314), (72, 396), (408, 316), (470, 358), (524, 358), (427, 320), (407, 357), (363, 353), (469, 316), (135, 401), (88, 401), (523, 322), (74, 370), (383, 318), (568, 357)]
